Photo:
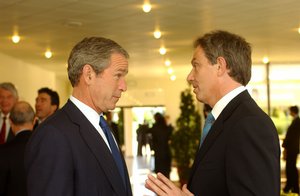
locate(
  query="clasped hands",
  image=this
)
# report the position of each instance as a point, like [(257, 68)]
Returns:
[(162, 186)]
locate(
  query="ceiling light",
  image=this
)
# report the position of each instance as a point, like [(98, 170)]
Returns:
[(147, 7), (170, 71), (162, 50), (299, 30), (48, 54), (173, 77), (167, 62), (265, 60), (157, 34), (15, 38)]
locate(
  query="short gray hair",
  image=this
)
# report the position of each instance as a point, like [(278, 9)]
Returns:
[(22, 113), (94, 51), (10, 87)]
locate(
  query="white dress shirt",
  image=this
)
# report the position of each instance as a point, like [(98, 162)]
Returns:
[(222, 103), (91, 115)]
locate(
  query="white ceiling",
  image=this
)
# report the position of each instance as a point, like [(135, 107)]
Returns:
[(269, 25)]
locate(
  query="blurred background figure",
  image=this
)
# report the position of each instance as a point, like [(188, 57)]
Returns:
[(8, 98), (114, 126), (142, 134), (161, 133), (12, 172), (291, 151), (46, 103)]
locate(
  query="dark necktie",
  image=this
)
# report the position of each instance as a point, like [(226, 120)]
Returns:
[(3, 131), (207, 125), (114, 149)]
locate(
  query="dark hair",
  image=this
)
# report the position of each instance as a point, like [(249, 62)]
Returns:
[(233, 48), (294, 109), (94, 51), (53, 95), (159, 118), (21, 113)]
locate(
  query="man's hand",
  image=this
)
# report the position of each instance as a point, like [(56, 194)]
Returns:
[(163, 186)]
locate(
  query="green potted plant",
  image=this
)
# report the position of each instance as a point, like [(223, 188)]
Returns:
[(185, 139)]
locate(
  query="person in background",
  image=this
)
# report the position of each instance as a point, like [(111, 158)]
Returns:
[(46, 103), (8, 98), (141, 136), (12, 172), (291, 151), (240, 154), (161, 133), (74, 152)]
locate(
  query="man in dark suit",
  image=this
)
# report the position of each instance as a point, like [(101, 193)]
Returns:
[(69, 153), (8, 98), (240, 155), (291, 151), (46, 103), (12, 171)]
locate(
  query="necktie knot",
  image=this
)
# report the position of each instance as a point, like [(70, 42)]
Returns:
[(207, 125), (210, 118), (103, 124)]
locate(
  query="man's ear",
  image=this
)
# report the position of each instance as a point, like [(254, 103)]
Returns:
[(221, 65), (87, 73)]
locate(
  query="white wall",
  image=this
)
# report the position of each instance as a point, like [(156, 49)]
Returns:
[(29, 78)]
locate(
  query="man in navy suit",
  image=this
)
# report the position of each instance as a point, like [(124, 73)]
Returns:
[(240, 155), (12, 172), (69, 153)]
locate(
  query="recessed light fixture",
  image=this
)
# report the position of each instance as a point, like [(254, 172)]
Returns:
[(48, 54), (265, 60), (15, 38), (157, 34), (170, 71), (147, 7), (162, 50), (167, 62), (173, 77)]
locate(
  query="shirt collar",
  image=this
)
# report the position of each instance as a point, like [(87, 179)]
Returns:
[(87, 111), (221, 104)]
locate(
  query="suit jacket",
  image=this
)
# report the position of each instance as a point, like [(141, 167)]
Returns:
[(10, 136), (240, 155), (12, 172), (291, 141), (66, 156)]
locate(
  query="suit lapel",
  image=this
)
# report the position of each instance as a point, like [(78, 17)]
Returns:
[(217, 127), (97, 146)]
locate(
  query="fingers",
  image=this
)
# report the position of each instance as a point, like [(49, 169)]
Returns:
[(166, 181), (155, 185), (186, 191)]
